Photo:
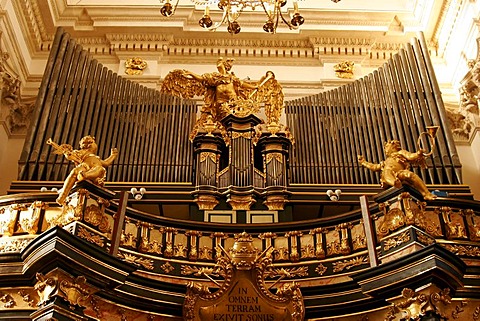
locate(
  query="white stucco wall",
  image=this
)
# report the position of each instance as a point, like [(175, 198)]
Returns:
[(10, 149)]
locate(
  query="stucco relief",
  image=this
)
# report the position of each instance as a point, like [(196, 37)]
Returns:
[(15, 110), (466, 117)]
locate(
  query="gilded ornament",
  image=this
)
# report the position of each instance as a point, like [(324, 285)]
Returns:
[(30, 223), (7, 300), (308, 251), (206, 202), (167, 267), (321, 269), (417, 305), (473, 225), (206, 155), (396, 240), (459, 309), (8, 220), (11, 245), (424, 239), (319, 250), (359, 242), (246, 135), (205, 253), (180, 250), (27, 298), (139, 261), (150, 247), (271, 156), (135, 66), (95, 216), (241, 203), (344, 69), (348, 264), (46, 288), (75, 291), (128, 240), (454, 227), (476, 314), (88, 166), (90, 237), (281, 254), (463, 250)]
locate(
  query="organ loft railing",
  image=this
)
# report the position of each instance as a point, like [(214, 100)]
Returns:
[(79, 97)]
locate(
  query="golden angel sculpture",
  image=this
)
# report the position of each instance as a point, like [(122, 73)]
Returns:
[(224, 93), (395, 169), (88, 166)]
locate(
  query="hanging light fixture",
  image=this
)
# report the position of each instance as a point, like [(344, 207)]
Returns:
[(232, 9)]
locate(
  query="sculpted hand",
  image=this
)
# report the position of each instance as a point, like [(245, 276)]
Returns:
[(361, 159)]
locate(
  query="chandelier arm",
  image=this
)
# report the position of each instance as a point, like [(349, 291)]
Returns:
[(218, 24), (265, 9), (288, 23)]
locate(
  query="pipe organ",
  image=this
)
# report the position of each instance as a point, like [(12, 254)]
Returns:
[(397, 101), (78, 96)]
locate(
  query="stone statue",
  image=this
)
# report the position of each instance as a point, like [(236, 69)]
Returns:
[(88, 166), (224, 93), (395, 169)]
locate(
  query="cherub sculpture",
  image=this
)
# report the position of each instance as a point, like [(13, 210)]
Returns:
[(88, 166), (224, 93), (395, 169)]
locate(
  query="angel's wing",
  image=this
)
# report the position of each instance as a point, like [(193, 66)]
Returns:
[(181, 83), (271, 95)]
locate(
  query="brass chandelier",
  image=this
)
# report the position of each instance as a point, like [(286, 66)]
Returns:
[(232, 9)]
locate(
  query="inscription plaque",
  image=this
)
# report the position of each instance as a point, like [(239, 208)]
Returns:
[(243, 294)]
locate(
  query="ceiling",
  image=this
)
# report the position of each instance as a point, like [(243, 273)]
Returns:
[(102, 22)]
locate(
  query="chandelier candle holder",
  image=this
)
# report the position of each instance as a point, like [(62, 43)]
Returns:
[(232, 9)]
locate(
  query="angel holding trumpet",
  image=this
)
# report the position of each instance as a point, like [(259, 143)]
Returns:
[(224, 93)]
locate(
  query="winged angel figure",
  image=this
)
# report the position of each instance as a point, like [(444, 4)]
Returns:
[(224, 93)]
